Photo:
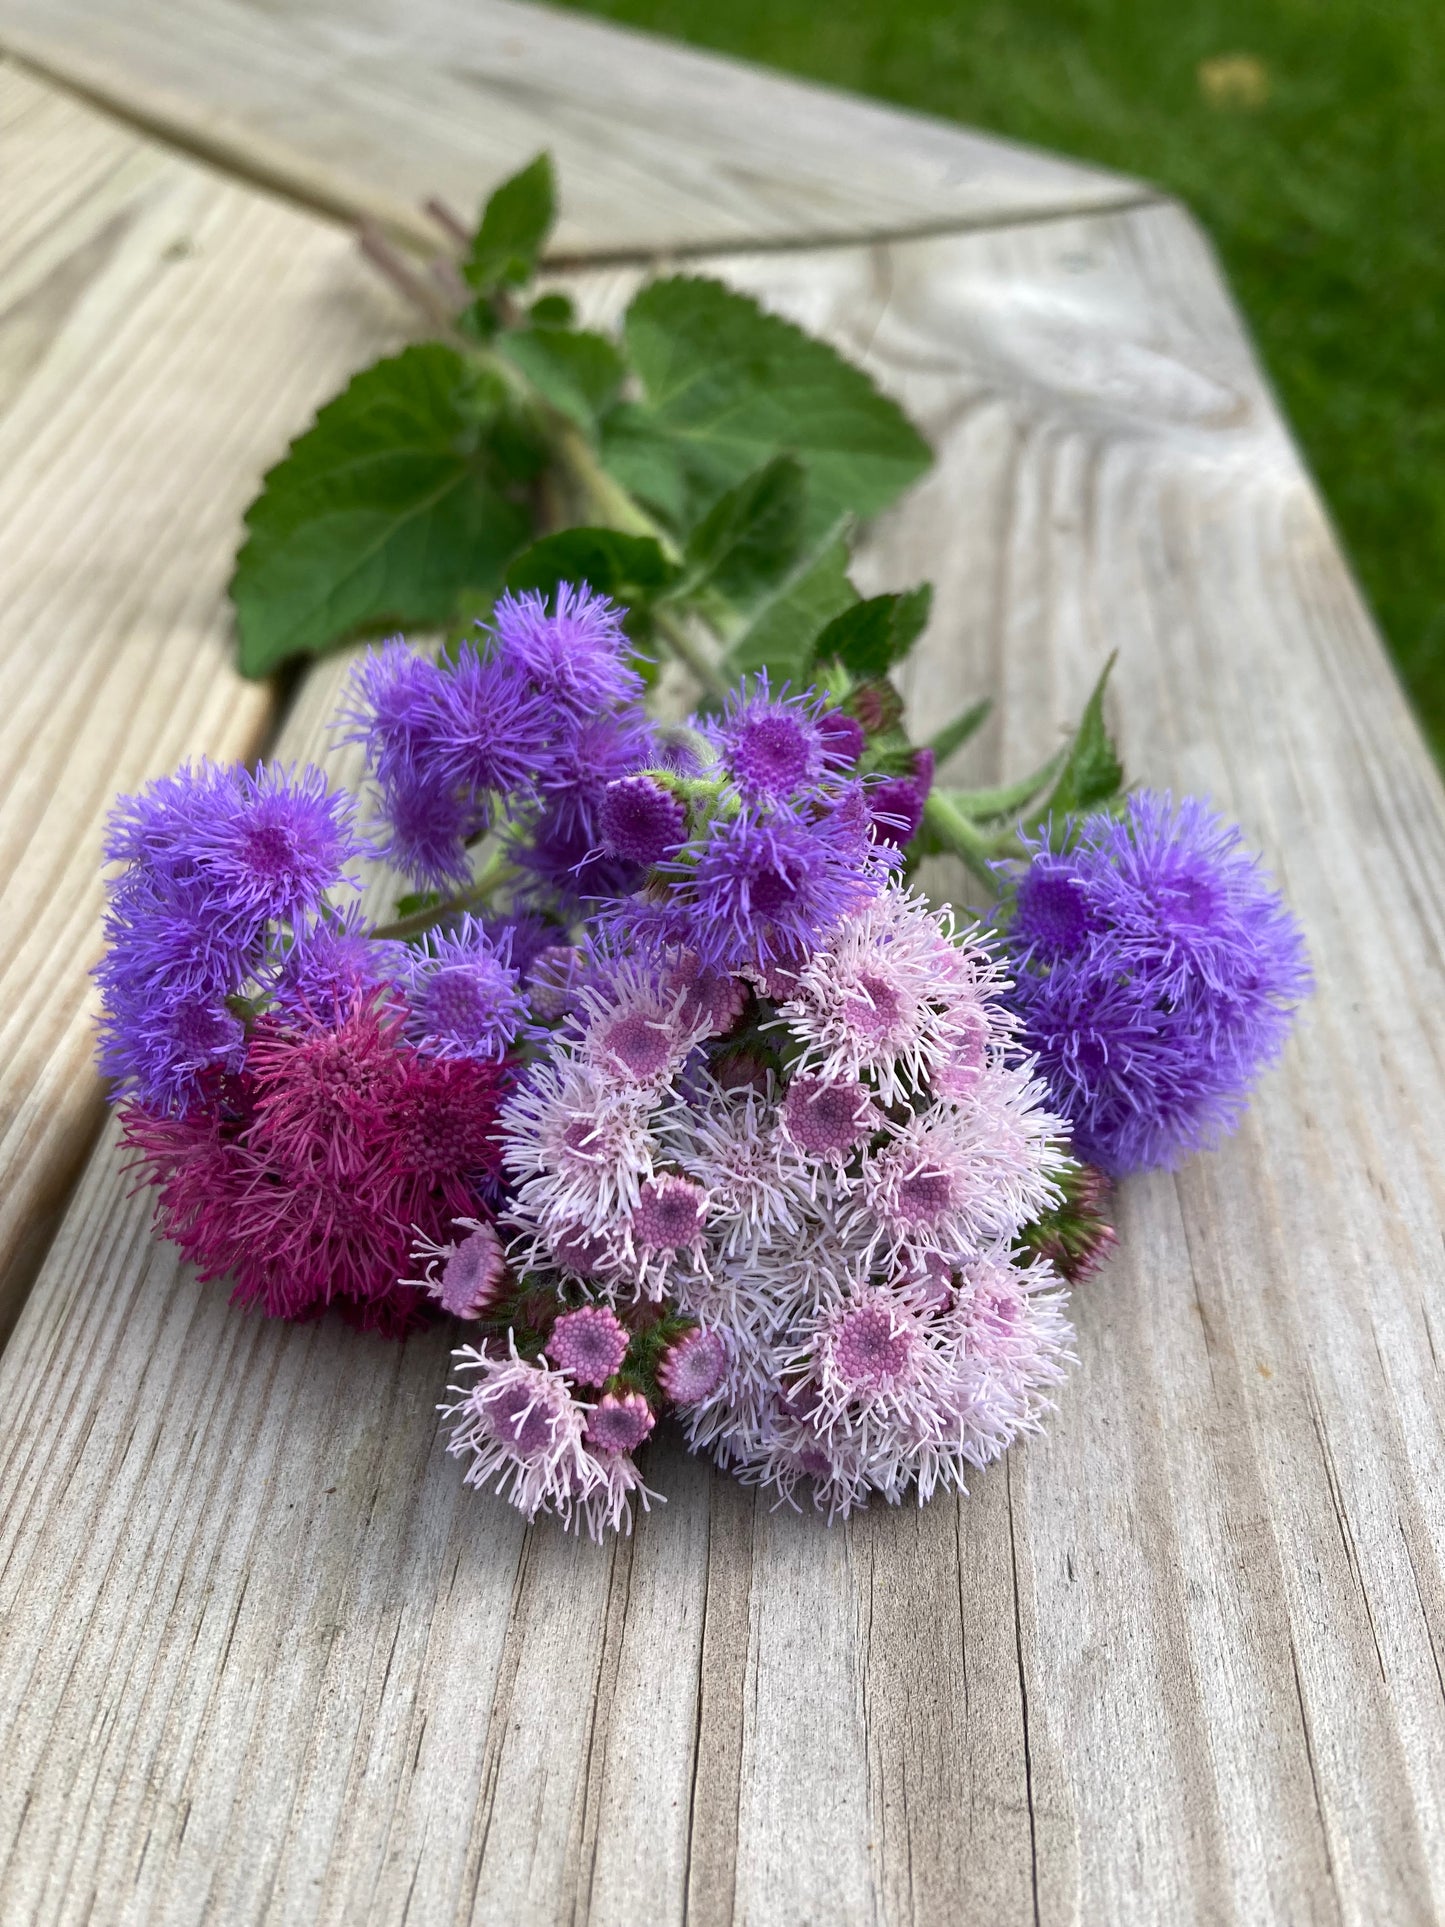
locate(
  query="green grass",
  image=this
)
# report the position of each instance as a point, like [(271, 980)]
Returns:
[(1326, 201)]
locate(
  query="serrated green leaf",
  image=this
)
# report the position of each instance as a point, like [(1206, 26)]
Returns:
[(1092, 774), (779, 637), (872, 636), (727, 387), (515, 222), (578, 372), (751, 536), (954, 735), (648, 461), (391, 504), (632, 569)]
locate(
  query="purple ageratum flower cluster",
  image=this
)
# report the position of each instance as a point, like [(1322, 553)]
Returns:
[(1158, 970), (222, 908), (815, 1179), (218, 863), (754, 856), (529, 723)]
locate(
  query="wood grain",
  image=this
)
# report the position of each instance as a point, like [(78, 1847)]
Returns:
[(1179, 1661), (372, 106), (163, 333)]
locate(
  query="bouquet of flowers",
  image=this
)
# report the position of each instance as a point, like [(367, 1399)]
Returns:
[(665, 1080)]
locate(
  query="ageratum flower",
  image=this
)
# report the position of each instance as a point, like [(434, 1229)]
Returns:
[(464, 998), (774, 747), (331, 964), (521, 1428), (1158, 972), (564, 848), (216, 860), (542, 711), (755, 888), (572, 652), (308, 1176)]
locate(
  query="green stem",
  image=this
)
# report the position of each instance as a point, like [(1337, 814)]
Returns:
[(670, 626), (953, 828), (496, 871), (616, 508), (606, 498)]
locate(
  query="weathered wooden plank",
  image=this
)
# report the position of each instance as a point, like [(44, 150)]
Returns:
[(1177, 1661), (162, 333), (374, 108)]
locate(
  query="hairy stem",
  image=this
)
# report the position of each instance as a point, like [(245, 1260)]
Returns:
[(616, 508), (495, 872), (965, 839)]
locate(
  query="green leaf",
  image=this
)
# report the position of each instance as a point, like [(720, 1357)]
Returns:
[(955, 734), (779, 636), (414, 902), (872, 636), (399, 497), (632, 569), (551, 311), (751, 535), (514, 224), (727, 387), (647, 460), (1092, 773), (578, 372)]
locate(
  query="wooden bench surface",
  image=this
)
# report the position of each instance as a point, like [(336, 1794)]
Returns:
[(261, 1657)]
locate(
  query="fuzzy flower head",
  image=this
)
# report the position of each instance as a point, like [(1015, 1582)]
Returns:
[(235, 848), (692, 1367), (589, 1344), (619, 1422), (774, 746), (817, 1228), (641, 821), (464, 997), (756, 888), (466, 1277), (216, 862), (331, 965), (521, 1429), (572, 650), (1158, 973), (897, 998), (309, 1176)]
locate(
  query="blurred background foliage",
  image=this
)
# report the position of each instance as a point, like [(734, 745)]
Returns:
[(1307, 134)]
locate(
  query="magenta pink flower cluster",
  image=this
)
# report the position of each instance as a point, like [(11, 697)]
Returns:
[(664, 1082)]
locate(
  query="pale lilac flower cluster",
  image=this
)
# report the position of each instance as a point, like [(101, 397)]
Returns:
[(821, 1171)]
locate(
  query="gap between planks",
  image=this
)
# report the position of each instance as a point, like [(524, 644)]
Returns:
[(274, 167)]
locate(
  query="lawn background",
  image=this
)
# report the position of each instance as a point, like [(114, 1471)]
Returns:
[(1315, 157)]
